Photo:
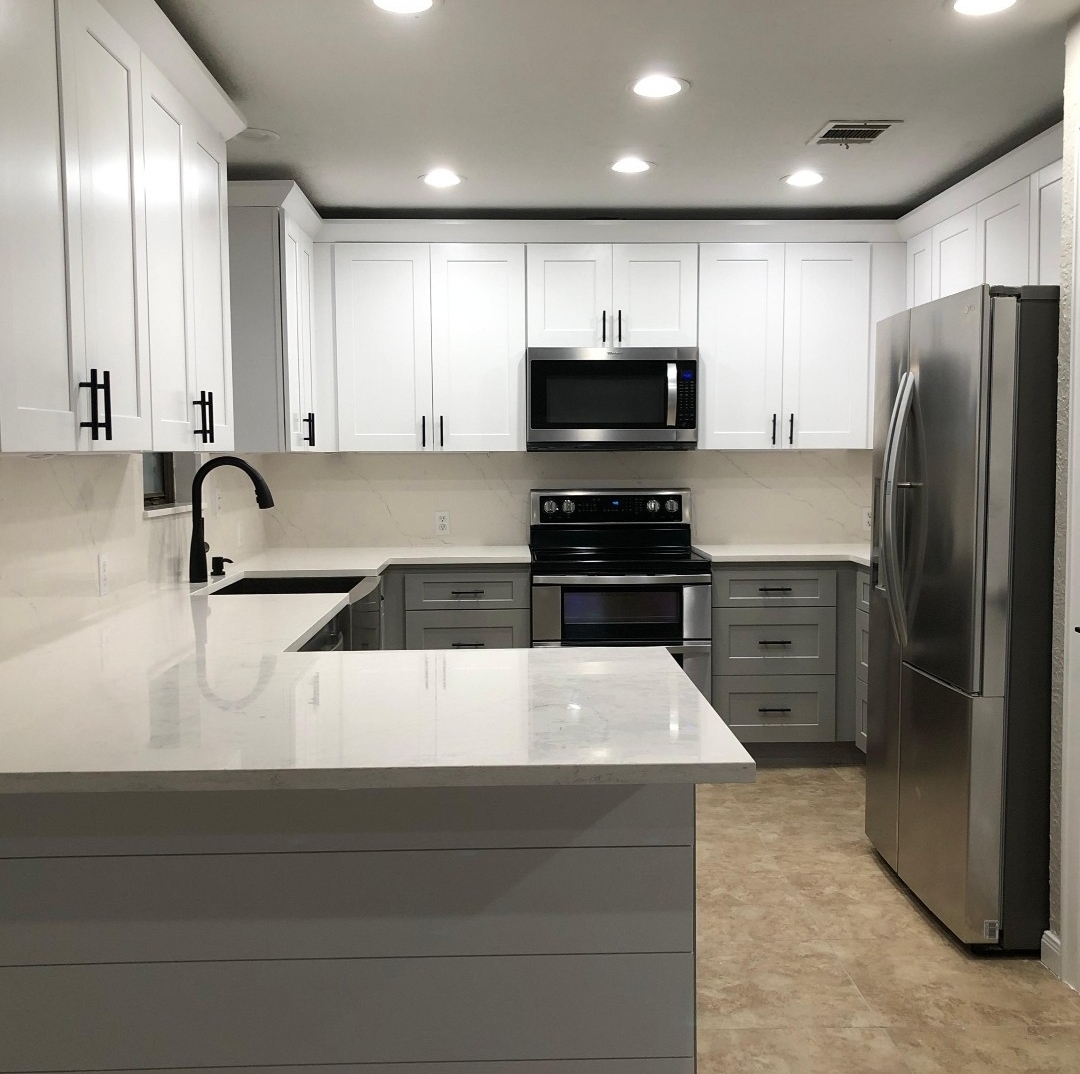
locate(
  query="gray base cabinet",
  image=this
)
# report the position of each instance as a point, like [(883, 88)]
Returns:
[(862, 654), (778, 708)]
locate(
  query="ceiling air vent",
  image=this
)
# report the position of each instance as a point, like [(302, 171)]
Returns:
[(857, 132)]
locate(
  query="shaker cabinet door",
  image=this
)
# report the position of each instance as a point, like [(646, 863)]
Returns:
[(569, 295), (742, 344), (383, 328), (301, 430), (654, 294), (953, 265), (1002, 234)]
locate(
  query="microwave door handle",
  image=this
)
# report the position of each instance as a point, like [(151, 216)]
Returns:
[(672, 393)]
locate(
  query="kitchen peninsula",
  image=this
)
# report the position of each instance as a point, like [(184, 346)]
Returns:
[(217, 853)]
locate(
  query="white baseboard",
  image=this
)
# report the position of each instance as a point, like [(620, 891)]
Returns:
[(1051, 952)]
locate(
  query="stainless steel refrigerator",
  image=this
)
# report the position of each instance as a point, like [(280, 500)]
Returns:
[(958, 714)]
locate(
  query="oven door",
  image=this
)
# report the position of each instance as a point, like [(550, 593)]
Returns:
[(599, 398)]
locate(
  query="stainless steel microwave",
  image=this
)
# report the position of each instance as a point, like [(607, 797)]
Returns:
[(628, 398)]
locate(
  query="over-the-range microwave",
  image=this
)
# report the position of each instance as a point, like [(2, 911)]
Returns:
[(626, 397)]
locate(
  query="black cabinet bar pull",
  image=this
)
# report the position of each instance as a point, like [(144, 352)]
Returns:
[(106, 384), (620, 326), (774, 589), (767, 642), (774, 710), (774, 430), (791, 430), (466, 592), (442, 438), (309, 421), (93, 424), (201, 404), (210, 416), (423, 430), (603, 327), (468, 645)]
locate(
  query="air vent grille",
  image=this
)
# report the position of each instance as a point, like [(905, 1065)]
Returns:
[(852, 132)]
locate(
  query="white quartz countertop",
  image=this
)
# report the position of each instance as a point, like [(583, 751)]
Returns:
[(858, 554), (330, 561)]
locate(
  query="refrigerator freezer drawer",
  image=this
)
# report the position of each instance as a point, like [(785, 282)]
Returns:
[(950, 849)]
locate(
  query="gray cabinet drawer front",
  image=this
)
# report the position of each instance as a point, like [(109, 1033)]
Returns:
[(862, 591), (297, 1012), (769, 708), (860, 714), (862, 645), (181, 908), (467, 629), (467, 589), (794, 588), (774, 641)]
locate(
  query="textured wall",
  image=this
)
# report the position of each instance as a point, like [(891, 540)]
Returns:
[(58, 513), (374, 499), (1068, 188)]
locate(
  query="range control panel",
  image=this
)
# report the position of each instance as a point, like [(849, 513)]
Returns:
[(618, 505)]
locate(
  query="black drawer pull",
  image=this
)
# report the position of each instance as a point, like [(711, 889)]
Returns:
[(778, 642), (468, 645), (466, 592), (774, 589), (767, 711)]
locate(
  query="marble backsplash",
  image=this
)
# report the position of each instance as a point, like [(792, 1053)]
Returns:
[(376, 499), (57, 513)]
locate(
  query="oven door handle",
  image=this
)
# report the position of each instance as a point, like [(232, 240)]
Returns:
[(623, 579), (672, 393)]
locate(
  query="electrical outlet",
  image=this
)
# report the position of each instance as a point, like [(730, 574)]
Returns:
[(442, 523), (218, 503), (102, 574), (868, 521)]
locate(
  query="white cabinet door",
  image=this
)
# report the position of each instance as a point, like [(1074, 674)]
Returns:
[(742, 344), (569, 295), (919, 275), (102, 125), (1045, 251), (1002, 236), (301, 429), (383, 320), (654, 294), (207, 213), (37, 402), (952, 255), (478, 346), (826, 345)]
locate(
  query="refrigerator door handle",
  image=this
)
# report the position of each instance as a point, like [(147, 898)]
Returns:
[(905, 398)]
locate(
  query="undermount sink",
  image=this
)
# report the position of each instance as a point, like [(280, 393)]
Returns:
[(311, 584)]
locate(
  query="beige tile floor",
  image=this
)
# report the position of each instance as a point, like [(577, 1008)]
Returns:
[(813, 958)]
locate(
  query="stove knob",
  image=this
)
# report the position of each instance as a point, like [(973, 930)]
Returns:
[(550, 507), (671, 506), (652, 506), (568, 507)]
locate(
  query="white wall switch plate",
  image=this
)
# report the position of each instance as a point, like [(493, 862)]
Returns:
[(218, 503), (442, 523), (102, 574)]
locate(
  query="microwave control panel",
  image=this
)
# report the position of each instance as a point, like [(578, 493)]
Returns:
[(686, 396)]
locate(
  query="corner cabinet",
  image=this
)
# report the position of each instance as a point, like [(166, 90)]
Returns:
[(430, 345), (628, 294), (785, 344)]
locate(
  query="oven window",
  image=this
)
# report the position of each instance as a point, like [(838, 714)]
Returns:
[(599, 394), (612, 613)]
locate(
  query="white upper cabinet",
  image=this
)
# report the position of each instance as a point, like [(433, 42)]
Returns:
[(187, 273), (631, 294), (102, 126), (1002, 246), (826, 345), (1045, 229), (919, 275), (301, 429), (654, 294), (37, 400), (382, 299), (742, 344), (478, 346), (953, 254)]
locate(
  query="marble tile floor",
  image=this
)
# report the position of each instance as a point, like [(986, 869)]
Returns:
[(814, 959)]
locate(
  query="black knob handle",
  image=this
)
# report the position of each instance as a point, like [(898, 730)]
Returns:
[(217, 566)]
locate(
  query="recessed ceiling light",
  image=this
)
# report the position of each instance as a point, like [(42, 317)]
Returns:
[(404, 7), (631, 165), (659, 86), (803, 177), (981, 7), (441, 177), (258, 134)]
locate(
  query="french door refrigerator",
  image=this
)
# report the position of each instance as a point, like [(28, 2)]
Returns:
[(958, 710)]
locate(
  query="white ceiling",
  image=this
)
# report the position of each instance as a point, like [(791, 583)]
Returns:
[(528, 99)]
